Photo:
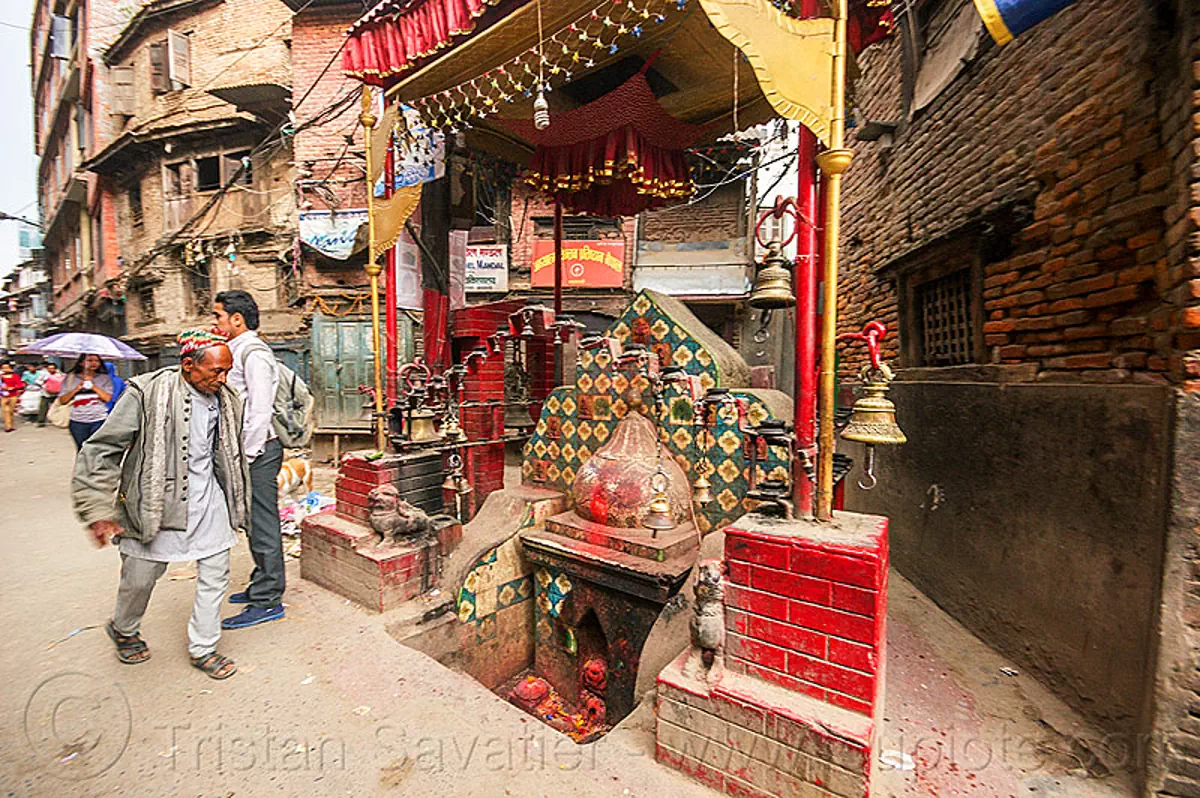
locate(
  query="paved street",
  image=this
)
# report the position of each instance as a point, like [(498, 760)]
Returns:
[(325, 703)]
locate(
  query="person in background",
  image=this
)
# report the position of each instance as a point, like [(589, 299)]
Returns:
[(28, 375), (118, 385), (255, 378), (51, 385), (167, 476), (86, 389), (11, 388)]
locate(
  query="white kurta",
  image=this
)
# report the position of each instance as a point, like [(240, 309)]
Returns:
[(209, 530)]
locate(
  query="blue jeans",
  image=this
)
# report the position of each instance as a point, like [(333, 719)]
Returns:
[(82, 430)]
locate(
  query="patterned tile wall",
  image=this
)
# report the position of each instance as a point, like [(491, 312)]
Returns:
[(577, 420)]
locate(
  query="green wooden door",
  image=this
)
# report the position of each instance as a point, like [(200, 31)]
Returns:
[(342, 361)]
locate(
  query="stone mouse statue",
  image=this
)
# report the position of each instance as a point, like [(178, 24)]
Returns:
[(394, 519), (706, 660)]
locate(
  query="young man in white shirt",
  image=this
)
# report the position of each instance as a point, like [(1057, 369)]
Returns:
[(255, 377)]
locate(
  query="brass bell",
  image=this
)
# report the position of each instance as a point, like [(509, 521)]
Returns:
[(659, 513), (421, 427), (516, 416), (452, 432), (702, 491), (773, 283), (873, 418)]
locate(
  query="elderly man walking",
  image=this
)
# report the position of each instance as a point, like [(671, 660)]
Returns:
[(166, 476)]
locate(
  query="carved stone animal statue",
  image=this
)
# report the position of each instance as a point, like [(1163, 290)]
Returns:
[(707, 627), (394, 519)]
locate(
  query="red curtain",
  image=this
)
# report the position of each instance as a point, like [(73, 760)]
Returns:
[(394, 35), (616, 156), (869, 21)]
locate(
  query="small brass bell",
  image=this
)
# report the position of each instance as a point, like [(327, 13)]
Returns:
[(421, 428), (659, 514), (516, 416), (702, 491), (873, 419), (452, 432), (773, 283)]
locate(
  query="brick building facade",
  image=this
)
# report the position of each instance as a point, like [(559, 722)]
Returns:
[(201, 179), (71, 123), (1026, 229)]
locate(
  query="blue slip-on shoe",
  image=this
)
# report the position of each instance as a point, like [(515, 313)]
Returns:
[(252, 616), (240, 598)]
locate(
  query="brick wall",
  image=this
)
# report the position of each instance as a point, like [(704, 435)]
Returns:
[(1063, 129), (720, 216), (329, 170)]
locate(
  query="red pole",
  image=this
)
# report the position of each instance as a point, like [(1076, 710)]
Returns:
[(806, 317), (390, 310), (557, 258), (807, 256)]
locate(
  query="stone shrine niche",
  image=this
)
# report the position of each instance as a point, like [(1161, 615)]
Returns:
[(577, 420)]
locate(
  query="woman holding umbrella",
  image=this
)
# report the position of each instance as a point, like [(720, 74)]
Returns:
[(89, 386), (87, 390)]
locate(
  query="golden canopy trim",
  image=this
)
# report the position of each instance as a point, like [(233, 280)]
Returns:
[(792, 58)]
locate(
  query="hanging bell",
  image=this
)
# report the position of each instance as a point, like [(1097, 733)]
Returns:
[(702, 491), (773, 283), (658, 515), (873, 418), (452, 432), (421, 427), (516, 417), (541, 112)]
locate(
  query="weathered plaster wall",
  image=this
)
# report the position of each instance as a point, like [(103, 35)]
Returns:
[(1034, 515)]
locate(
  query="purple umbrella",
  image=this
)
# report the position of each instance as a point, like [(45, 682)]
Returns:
[(74, 344)]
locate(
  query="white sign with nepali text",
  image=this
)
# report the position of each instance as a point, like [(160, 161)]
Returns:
[(487, 268)]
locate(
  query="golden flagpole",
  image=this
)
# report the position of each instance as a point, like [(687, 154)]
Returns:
[(373, 270), (833, 162)]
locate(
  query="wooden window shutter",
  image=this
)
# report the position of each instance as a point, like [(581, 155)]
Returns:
[(159, 82), (179, 59), (123, 94), (60, 36)]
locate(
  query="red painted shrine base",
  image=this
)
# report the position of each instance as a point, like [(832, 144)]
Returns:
[(338, 550), (340, 555), (796, 709)]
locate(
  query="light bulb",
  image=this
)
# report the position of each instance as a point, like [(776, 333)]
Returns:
[(541, 112)]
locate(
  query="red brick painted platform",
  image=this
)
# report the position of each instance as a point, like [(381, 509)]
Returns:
[(340, 554), (796, 710)]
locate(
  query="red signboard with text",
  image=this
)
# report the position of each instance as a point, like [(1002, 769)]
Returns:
[(586, 264)]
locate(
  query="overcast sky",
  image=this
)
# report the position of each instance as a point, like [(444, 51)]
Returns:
[(18, 167)]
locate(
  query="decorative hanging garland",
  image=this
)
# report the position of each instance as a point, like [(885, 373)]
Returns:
[(571, 50)]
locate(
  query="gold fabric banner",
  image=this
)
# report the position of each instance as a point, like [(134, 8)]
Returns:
[(379, 142), (792, 58), (390, 215)]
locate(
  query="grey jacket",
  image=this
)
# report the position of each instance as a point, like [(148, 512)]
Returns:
[(134, 469)]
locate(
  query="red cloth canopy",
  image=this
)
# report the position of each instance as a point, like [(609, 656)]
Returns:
[(616, 156), (396, 33)]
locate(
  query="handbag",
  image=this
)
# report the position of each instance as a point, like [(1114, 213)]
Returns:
[(59, 414)]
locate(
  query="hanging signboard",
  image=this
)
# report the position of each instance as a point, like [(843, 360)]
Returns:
[(458, 269), (408, 275), (586, 264), (487, 268), (334, 234)]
